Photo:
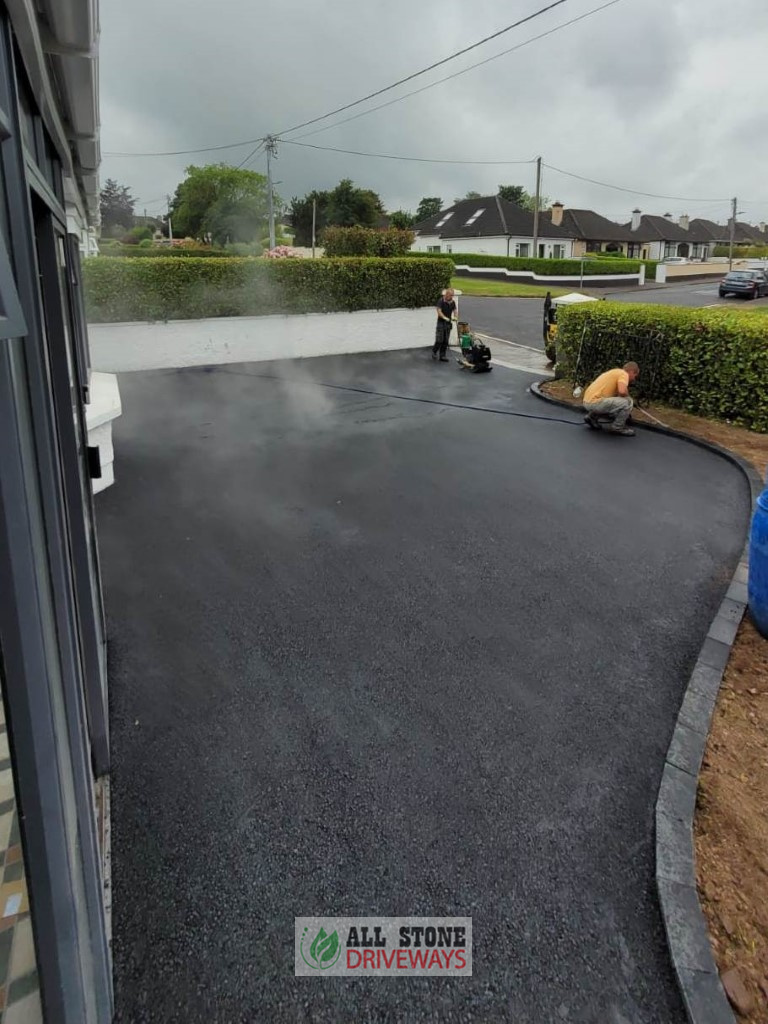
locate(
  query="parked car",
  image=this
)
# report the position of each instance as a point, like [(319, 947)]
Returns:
[(751, 283), (676, 260)]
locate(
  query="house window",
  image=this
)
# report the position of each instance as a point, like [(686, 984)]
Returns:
[(449, 248), (634, 250), (522, 249), (474, 217), (558, 252), (670, 249), (433, 248), (443, 220)]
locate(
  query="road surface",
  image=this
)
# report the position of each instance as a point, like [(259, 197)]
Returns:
[(520, 320), (379, 655)]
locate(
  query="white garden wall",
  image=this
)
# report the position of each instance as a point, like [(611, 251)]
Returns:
[(117, 348)]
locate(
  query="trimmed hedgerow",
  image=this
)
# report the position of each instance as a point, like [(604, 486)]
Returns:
[(172, 289), (546, 268), (706, 361), (361, 241), (160, 252)]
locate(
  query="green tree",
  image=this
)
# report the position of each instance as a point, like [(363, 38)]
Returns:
[(428, 207), (116, 204), (402, 219), (349, 206), (224, 203), (518, 195), (344, 206), (513, 194), (469, 195), (301, 216)]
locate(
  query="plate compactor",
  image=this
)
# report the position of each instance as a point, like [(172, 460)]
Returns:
[(474, 355)]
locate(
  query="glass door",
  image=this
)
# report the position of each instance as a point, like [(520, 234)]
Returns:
[(61, 329)]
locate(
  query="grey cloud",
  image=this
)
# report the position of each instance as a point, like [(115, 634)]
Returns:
[(637, 95)]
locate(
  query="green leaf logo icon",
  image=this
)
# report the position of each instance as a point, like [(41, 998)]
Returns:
[(324, 951)]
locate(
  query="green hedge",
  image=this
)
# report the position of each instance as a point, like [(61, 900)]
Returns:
[(553, 268), (710, 362), (742, 252), (361, 241), (171, 289), (137, 250)]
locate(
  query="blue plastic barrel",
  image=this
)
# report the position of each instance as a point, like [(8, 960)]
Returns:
[(758, 565)]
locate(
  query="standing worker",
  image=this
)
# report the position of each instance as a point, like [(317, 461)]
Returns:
[(446, 311), (609, 396)]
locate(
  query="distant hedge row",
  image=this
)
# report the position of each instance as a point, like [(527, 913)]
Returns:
[(173, 289), (547, 268), (710, 362), (161, 251)]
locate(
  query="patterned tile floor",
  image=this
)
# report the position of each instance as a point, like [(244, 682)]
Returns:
[(19, 990)]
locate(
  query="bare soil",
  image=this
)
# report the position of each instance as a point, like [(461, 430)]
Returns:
[(731, 826)]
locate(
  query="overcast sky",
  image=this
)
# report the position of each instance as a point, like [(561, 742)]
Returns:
[(665, 96)]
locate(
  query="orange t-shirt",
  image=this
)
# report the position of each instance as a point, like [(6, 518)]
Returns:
[(606, 385)]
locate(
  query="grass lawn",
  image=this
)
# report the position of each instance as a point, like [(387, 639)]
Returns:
[(474, 286)]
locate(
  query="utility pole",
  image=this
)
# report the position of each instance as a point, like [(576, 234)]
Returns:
[(732, 237), (314, 223), (170, 229), (270, 144), (537, 203)]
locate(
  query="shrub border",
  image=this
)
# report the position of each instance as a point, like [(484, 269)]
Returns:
[(684, 923)]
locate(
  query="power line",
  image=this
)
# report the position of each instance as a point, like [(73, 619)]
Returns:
[(632, 191), (456, 74), (251, 155), (431, 67), (187, 152), (388, 156), (440, 81)]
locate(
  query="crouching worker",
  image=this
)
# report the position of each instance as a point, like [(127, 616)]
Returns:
[(609, 396)]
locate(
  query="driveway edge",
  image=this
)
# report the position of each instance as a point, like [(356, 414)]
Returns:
[(684, 922)]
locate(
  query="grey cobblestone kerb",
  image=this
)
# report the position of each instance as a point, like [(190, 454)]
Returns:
[(684, 923)]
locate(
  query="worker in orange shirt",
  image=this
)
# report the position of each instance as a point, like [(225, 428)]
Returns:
[(609, 396)]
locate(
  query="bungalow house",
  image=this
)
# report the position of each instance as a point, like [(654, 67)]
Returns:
[(658, 238), (720, 234), (591, 231), (491, 225)]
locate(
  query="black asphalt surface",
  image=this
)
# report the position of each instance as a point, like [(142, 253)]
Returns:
[(520, 320), (378, 656)]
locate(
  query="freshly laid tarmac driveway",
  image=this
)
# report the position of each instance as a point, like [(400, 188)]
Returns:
[(378, 656)]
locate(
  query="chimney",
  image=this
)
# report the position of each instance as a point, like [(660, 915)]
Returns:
[(684, 222), (762, 226), (557, 214), (636, 215)]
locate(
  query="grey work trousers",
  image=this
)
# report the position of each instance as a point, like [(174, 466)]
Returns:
[(618, 407)]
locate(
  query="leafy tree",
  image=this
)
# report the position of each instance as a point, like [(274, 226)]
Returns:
[(349, 206), (517, 194), (344, 206), (469, 195), (222, 203), (402, 219), (301, 216), (513, 194), (428, 207), (116, 204)]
